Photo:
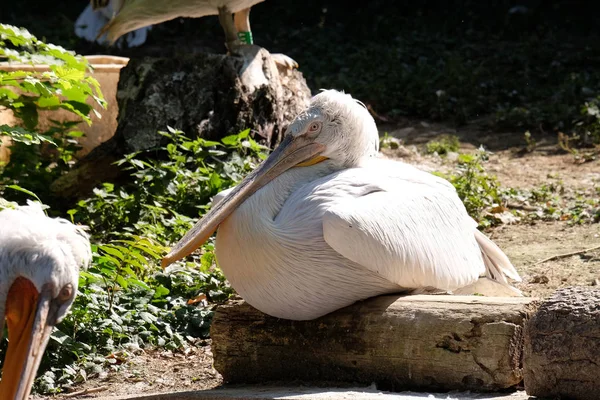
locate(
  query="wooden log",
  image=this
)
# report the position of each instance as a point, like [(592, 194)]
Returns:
[(562, 346), (410, 342)]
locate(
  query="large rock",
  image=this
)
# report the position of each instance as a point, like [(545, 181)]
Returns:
[(413, 342), (562, 346), (210, 95)]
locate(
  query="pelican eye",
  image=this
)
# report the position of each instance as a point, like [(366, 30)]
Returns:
[(314, 126), (65, 293)]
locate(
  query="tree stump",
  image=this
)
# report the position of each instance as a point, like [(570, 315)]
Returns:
[(400, 343), (562, 346), (207, 95)]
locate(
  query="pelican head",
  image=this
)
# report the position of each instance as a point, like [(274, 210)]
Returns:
[(335, 128), (40, 259)]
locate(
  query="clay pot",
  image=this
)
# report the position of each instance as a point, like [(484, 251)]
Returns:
[(106, 71)]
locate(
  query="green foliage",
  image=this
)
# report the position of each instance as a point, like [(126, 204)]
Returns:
[(65, 85), (552, 202), (589, 125), (37, 160), (166, 195), (125, 304), (125, 301), (485, 200), (529, 141), (478, 190), (41, 154), (444, 145), (389, 142)]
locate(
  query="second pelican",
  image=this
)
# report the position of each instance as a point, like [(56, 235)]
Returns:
[(323, 223)]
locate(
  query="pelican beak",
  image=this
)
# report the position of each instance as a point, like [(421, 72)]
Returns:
[(29, 327), (293, 151)]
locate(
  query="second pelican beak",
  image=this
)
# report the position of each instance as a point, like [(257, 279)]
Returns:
[(293, 151), (27, 316)]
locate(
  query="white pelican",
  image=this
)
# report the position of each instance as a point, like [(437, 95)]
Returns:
[(96, 15), (40, 259), (323, 223), (124, 16)]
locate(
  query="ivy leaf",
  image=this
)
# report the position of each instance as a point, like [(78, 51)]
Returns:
[(48, 101)]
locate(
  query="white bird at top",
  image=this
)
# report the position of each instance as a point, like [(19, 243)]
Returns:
[(95, 16), (40, 259), (108, 20), (323, 222)]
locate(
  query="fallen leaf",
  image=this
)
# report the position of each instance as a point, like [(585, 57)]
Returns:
[(197, 299), (498, 209)]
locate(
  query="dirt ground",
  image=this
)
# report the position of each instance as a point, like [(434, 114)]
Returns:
[(154, 371), (525, 243)]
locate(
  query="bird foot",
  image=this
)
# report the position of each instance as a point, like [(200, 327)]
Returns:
[(284, 61)]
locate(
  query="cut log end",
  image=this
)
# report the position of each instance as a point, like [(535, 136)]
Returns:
[(562, 346), (400, 343)]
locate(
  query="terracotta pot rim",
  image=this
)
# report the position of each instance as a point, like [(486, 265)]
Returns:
[(100, 63)]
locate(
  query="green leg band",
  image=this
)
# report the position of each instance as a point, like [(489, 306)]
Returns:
[(245, 37)]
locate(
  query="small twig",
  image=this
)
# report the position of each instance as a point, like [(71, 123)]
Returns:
[(559, 256), (86, 391), (179, 364), (522, 207)]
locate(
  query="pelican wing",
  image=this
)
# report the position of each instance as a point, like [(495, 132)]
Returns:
[(411, 228)]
